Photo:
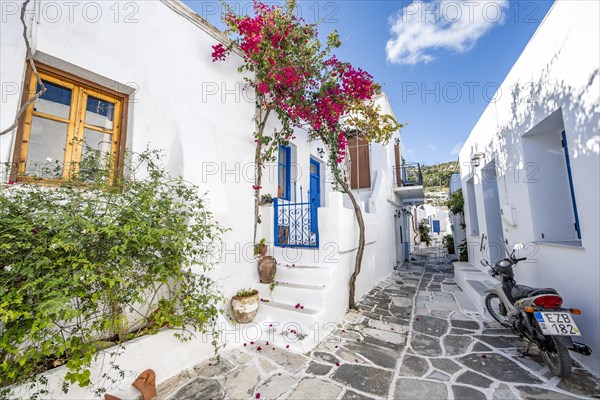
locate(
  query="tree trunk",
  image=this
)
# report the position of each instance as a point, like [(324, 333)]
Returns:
[(262, 121), (257, 183), (361, 242)]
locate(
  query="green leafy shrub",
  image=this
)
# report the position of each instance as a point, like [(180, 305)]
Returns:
[(87, 265), (463, 252), (448, 242), (456, 203), (424, 231)]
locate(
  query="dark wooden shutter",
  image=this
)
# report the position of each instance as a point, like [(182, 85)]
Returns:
[(360, 166), (397, 165)]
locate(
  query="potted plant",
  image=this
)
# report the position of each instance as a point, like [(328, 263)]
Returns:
[(448, 241), (266, 199), (245, 305), (260, 249)]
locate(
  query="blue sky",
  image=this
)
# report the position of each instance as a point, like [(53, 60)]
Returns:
[(439, 61)]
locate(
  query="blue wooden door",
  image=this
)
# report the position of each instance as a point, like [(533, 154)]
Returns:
[(315, 194)]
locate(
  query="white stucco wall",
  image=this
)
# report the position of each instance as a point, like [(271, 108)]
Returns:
[(558, 70), (195, 110)]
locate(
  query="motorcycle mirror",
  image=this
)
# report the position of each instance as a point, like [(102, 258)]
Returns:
[(484, 263), (518, 246)]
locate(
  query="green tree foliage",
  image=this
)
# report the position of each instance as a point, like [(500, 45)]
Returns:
[(437, 177), (424, 231), (80, 263), (456, 203)]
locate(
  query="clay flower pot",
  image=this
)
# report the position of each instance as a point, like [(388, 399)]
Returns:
[(267, 267), (245, 308)]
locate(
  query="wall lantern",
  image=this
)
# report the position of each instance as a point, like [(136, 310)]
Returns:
[(320, 151), (397, 140), (475, 159)]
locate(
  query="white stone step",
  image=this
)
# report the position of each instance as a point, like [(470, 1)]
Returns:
[(307, 295), (325, 256), (473, 281), (285, 319), (304, 274)]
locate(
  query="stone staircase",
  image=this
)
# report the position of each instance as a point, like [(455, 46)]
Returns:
[(304, 305)]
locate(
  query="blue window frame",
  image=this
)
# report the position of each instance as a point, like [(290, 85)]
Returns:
[(284, 172), (570, 175)]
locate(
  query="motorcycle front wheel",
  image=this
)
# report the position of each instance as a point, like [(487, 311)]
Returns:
[(496, 309), (557, 357)]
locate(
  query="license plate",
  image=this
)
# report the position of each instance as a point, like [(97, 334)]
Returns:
[(557, 323)]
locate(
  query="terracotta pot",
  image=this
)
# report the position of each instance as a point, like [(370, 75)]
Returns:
[(267, 267), (245, 308), (262, 249)]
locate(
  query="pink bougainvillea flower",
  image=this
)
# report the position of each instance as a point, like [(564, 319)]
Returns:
[(267, 343), (259, 348), (337, 364), (219, 52), (257, 395), (11, 182), (245, 345), (287, 346), (251, 342)]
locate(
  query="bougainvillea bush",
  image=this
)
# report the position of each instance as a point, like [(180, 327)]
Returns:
[(299, 79), (76, 260)]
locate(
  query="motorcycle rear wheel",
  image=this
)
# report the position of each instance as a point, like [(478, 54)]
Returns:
[(495, 307), (557, 358)]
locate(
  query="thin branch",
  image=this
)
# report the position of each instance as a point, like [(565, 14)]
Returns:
[(29, 57)]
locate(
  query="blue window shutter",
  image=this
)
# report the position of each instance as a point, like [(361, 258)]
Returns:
[(284, 173)]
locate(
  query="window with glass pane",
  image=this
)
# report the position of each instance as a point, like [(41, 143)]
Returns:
[(71, 132)]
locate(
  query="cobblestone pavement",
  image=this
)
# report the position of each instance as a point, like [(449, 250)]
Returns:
[(409, 341)]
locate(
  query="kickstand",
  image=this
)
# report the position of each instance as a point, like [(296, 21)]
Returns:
[(525, 353)]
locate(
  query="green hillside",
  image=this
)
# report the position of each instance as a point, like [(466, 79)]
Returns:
[(436, 178)]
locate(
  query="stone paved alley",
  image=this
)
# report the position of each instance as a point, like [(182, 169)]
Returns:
[(409, 341)]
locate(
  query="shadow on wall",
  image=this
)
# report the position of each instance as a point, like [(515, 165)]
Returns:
[(532, 103)]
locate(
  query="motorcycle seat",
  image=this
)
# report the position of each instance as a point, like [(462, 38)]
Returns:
[(522, 291)]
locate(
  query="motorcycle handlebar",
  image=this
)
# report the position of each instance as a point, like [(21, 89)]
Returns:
[(521, 259)]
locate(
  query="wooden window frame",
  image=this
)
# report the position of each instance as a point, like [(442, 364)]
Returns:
[(81, 89), (360, 163)]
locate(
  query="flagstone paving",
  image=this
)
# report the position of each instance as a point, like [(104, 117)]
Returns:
[(410, 340)]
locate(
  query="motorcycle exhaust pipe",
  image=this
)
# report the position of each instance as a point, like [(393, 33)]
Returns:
[(581, 349)]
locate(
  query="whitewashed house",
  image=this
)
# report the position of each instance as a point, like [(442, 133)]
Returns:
[(529, 168), (143, 73)]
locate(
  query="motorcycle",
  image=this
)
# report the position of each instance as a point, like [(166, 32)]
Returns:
[(534, 314)]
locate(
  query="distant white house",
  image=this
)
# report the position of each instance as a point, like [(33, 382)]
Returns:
[(148, 79), (529, 169), (456, 220)]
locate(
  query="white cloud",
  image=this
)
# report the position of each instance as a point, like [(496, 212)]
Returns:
[(431, 147), (421, 27), (456, 149)]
